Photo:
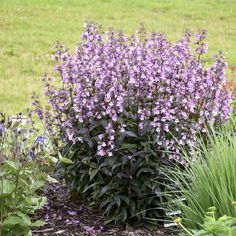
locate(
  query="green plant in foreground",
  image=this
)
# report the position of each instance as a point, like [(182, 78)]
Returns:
[(223, 226), (18, 198), (208, 181), (21, 176)]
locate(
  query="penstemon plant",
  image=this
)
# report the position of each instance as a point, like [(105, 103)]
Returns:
[(123, 106), (21, 175)]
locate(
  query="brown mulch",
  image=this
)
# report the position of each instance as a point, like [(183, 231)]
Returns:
[(65, 217)]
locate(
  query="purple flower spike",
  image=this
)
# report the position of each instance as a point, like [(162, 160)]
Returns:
[(165, 86)]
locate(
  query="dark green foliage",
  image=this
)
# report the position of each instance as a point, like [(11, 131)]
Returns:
[(128, 185)]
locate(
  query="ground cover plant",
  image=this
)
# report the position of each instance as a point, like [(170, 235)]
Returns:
[(206, 182), (120, 109), (28, 29), (22, 157)]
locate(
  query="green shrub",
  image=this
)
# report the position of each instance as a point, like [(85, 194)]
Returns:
[(208, 181)]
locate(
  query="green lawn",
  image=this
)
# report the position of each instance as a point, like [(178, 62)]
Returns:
[(28, 29)]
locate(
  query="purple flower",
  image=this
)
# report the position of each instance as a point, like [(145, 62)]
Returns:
[(2, 129), (72, 221), (41, 139), (165, 86), (72, 213), (31, 154)]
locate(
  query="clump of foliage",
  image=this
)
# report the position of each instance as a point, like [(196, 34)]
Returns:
[(225, 225), (121, 106), (207, 181), (21, 175)]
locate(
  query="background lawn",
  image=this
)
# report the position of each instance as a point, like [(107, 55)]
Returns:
[(28, 29)]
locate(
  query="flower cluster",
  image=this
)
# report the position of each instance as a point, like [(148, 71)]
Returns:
[(18, 133), (165, 87)]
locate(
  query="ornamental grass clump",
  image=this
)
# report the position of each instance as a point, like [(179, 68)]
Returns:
[(121, 106), (207, 181)]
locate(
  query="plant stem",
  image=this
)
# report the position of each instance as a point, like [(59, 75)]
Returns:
[(186, 230)]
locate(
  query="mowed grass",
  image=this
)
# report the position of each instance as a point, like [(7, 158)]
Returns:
[(28, 29)]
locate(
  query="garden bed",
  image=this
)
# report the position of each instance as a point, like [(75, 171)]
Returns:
[(69, 218)]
